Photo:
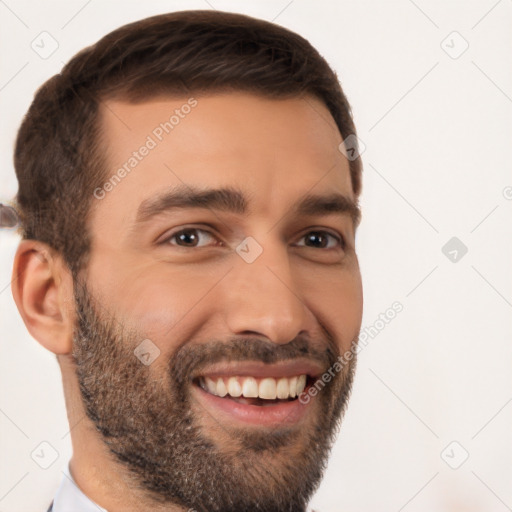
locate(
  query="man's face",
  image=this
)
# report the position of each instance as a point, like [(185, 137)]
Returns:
[(218, 313)]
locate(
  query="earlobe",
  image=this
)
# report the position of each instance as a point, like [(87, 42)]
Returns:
[(42, 287)]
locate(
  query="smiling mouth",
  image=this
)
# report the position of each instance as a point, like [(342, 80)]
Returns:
[(254, 390)]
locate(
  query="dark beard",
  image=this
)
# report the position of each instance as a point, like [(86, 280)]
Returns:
[(145, 415)]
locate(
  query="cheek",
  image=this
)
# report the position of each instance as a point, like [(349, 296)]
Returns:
[(159, 301), (336, 299)]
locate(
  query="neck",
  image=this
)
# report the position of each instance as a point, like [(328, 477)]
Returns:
[(95, 471)]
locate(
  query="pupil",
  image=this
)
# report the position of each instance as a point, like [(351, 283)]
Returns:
[(317, 239), (188, 237)]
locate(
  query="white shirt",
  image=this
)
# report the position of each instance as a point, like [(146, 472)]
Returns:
[(69, 497)]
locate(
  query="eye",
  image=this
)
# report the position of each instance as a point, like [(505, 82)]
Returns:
[(321, 239), (190, 237)]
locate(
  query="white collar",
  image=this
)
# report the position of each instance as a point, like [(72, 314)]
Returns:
[(70, 497)]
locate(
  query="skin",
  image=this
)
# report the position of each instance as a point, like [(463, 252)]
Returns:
[(274, 152)]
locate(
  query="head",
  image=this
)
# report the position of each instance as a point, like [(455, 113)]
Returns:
[(188, 225)]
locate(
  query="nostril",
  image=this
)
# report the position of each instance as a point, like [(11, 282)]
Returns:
[(251, 333)]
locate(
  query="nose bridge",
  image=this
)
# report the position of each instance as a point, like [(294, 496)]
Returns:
[(262, 295)]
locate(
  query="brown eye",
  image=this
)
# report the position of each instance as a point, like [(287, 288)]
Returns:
[(321, 240), (190, 237)]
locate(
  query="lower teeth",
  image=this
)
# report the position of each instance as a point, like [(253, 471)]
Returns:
[(256, 401)]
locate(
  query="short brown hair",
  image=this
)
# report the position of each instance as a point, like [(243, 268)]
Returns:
[(58, 156)]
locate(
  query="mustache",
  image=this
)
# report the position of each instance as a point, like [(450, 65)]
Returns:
[(191, 358)]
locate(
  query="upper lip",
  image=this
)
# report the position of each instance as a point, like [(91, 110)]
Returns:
[(260, 370)]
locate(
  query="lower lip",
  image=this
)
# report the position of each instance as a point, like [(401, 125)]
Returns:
[(285, 413)]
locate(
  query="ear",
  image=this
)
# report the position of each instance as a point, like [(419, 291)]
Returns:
[(42, 287)]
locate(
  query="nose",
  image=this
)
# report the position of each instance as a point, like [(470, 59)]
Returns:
[(262, 298)]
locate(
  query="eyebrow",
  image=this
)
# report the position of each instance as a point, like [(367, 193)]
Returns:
[(230, 199), (328, 204)]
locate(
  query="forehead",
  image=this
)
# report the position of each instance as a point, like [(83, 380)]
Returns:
[(274, 150)]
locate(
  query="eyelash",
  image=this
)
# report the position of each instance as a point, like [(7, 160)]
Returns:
[(339, 238)]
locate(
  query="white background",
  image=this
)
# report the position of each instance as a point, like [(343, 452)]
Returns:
[(437, 164)]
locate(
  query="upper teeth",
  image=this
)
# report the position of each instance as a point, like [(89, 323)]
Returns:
[(251, 387)]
